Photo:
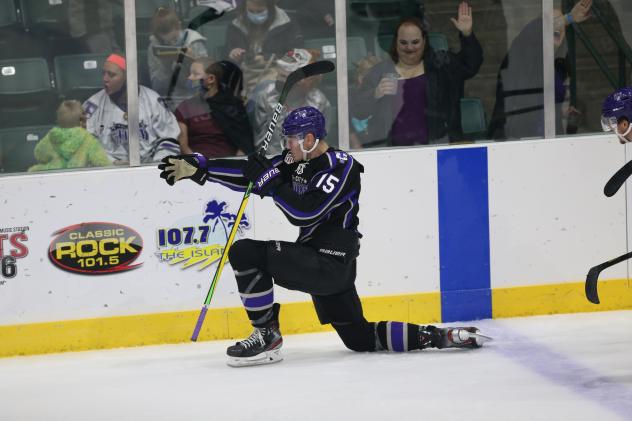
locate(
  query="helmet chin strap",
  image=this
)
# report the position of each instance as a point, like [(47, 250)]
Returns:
[(310, 150)]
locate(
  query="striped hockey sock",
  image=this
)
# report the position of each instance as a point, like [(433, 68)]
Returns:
[(397, 336), (257, 295)]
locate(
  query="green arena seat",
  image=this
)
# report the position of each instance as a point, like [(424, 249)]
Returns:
[(78, 76), (17, 145), (27, 96), (8, 13), (473, 119)]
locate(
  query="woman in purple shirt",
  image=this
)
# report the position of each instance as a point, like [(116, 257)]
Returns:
[(414, 97)]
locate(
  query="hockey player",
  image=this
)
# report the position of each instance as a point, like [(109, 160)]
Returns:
[(616, 114), (318, 189)]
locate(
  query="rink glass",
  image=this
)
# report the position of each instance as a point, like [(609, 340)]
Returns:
[(54, 38)]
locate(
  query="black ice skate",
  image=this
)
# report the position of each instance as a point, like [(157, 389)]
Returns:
[(452, 337), (263, 346)]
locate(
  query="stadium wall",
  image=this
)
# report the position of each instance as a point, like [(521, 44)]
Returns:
[(110, 258)]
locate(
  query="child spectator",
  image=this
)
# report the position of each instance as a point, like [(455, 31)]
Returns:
[(167, 32), (213, 122), (69, 145)]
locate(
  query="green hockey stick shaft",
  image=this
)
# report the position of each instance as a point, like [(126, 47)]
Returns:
[(312, 69)]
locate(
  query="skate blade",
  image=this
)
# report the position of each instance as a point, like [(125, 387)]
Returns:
[(268, 357), (480, 339)]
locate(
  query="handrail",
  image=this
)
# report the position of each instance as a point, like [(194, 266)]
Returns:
[(621, 44), (596, 56), (624, 50)]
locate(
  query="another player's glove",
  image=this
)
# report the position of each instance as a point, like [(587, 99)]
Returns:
[(178, 167), (265, 176)]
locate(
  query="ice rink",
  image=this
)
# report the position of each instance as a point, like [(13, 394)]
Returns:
[(571, 367)]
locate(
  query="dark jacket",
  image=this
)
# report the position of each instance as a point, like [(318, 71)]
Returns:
[(445, 72), (282, 36), (230, 114), (519, 109)]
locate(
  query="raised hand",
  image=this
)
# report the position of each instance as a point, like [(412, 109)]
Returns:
[(464, 19), (178, 167), (581, 11)]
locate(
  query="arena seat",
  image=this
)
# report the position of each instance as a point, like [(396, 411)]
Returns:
[(8, 13), (27, 96), (17, 145), (78, 76), (473, 121)]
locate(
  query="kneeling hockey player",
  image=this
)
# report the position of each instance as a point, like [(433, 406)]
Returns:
[(318, 189)]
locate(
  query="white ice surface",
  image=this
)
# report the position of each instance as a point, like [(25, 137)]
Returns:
[(566, 367)]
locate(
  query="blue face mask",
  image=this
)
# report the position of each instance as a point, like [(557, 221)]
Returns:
[(360, 125), (195, 87), (257, 18)]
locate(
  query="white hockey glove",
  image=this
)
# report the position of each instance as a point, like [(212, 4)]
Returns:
[(178, 167)]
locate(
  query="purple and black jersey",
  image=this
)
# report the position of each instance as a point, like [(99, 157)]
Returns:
[(322, 192)]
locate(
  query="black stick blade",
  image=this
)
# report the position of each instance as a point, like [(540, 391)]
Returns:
[(312, 69), (593, 276), (591, 284), (616, 181)]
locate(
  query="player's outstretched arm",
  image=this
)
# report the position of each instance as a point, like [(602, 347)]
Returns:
[(179, 167)]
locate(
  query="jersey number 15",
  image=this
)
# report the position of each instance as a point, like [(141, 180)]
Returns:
[(327, 182)]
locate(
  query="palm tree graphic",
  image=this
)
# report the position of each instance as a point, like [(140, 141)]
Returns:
[(215, 211)]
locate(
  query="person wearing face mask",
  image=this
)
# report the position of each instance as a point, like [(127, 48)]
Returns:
[(266, 95), (167, 32), (213, 122), (260, 33), (414, 98), (106, 113), (519, 108)]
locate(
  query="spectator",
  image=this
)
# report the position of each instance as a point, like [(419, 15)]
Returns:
[(316, 18), (69, 145), (519, 108), (304, 93), (107, 117), (167, 32), (359, 135), (260, 33), (214, 122), (92, 24), (414, 98)]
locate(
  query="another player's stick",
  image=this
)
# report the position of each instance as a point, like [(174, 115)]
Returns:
[(313, 69), (616, 181), (593, 276)]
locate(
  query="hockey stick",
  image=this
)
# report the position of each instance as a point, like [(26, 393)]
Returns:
[(593, 276), (313, 69), (616, 181)]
